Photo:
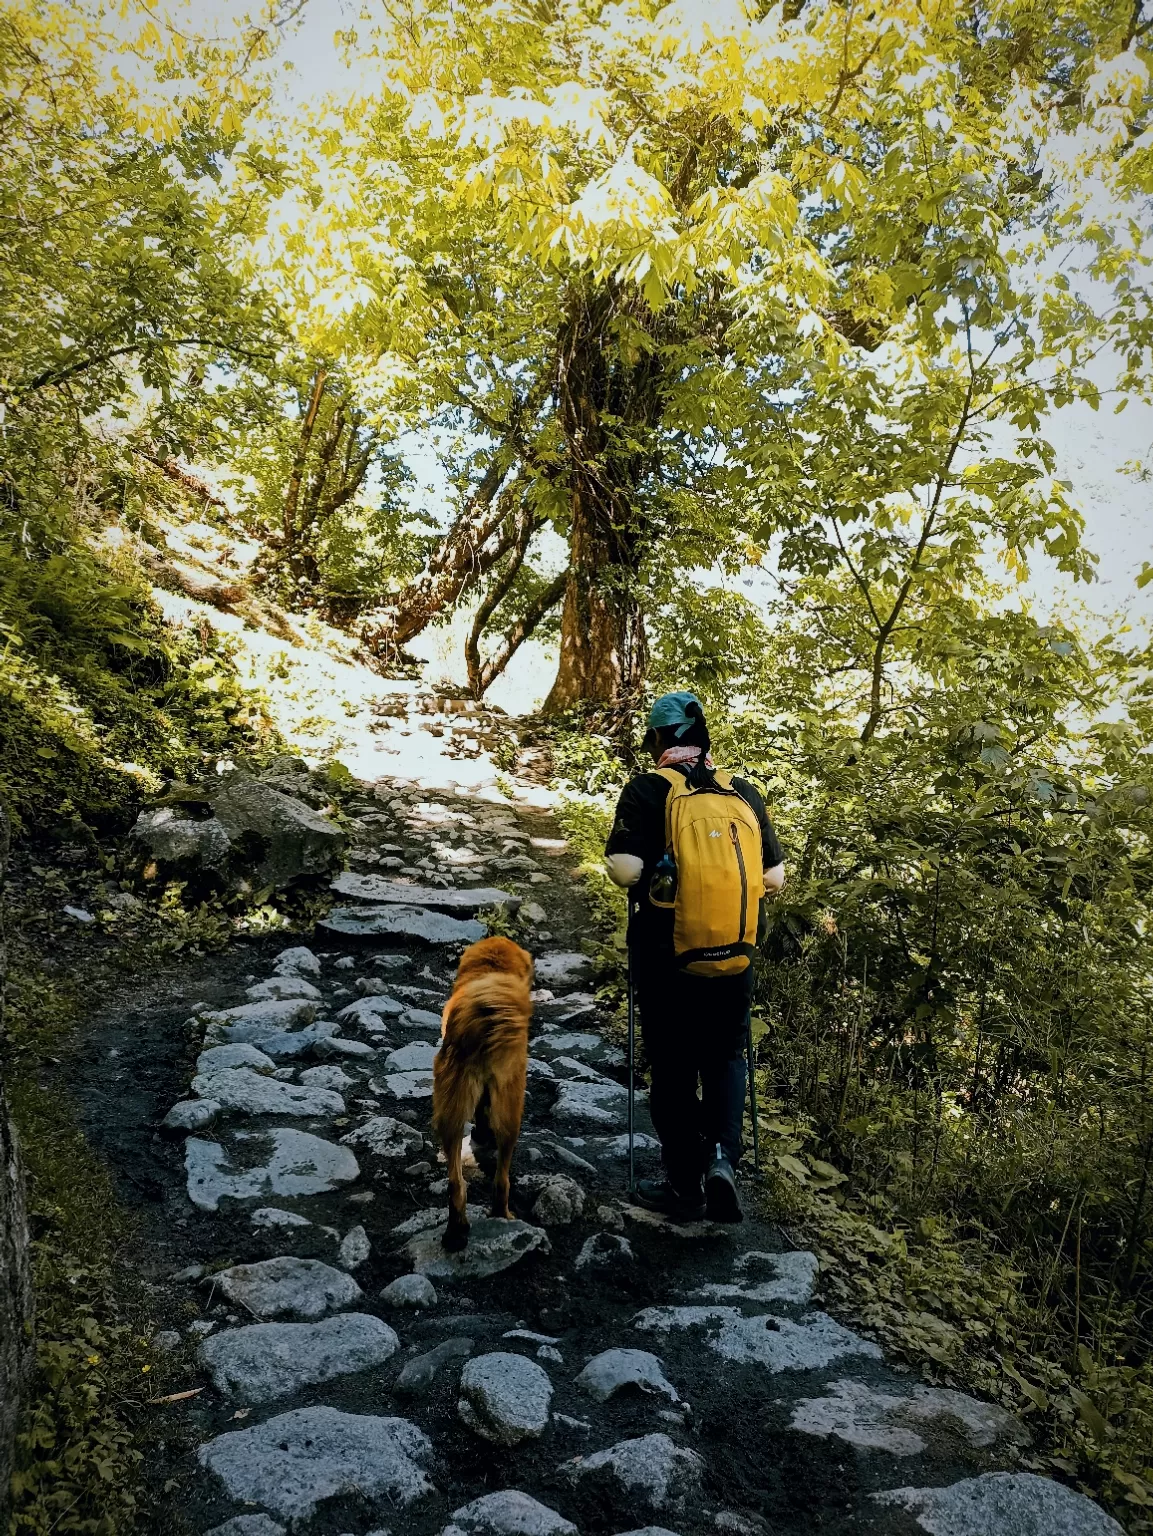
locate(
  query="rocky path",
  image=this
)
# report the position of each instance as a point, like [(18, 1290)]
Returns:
[(587, 1367)]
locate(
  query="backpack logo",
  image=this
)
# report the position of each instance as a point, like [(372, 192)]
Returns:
[(714, 833)]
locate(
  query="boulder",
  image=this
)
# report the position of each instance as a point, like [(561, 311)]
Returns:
[(593, 1105), (279, 988), (417, 1057), (276, 837), (179, 845), (605, 1251), (415, 1291), (650, 1471), (420, 1372), (385, 1137), (874, 1420), (615, 1370), (248, 1525), (297, 961), (222, 1058), (493, 1245), (292, 1462), (775, 1343), (508, 1513), (1003, 1504), (297, 1163), (563, 969), (504, 1397), (244, 1091), (190, 1115), (401, 923), (269, 1015), (560, 1201), (270, 1360), (791, 1278), (287, 1287), (354, 1249), (374, 888)]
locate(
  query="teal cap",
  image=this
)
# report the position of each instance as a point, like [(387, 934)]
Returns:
[(672, 709)]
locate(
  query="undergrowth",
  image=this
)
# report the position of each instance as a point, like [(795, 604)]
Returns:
[(969, 1302)]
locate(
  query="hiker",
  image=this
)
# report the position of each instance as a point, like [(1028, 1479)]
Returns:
[(697, 850)]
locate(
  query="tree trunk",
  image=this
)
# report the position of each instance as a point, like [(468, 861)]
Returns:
[(609, 405), (292, 496), (15, 1271)]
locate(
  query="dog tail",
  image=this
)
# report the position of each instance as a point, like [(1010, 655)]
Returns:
[(484, 1017)]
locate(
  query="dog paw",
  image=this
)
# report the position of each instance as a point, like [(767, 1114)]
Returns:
[(455, 1239)]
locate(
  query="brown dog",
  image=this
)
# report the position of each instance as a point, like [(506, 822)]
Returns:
[(479, 1071)]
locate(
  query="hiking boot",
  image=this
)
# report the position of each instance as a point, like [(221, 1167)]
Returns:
[(721, 1199), (659, 1195)]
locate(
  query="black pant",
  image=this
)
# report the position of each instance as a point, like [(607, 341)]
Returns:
[(694, 1031)]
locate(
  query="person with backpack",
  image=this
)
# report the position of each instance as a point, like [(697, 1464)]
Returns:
[(698, 853)]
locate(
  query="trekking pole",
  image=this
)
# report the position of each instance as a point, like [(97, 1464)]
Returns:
[(632, 1045), (753, 1094)]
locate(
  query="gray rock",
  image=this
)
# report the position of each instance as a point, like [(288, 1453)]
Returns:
[(297, 961), (355, 1248), (409, 1291), (385, 1137), (560, 1201), (222, 1058), (248, 1525), (281, 989), (281, 839), (532, 911), (251, 1093), (281, 1044), (420, 1018), (335, 1046), (792, 1278), (417, 1057), (861, 1415), (370, 1012), (616, 1370), (420, 1372), (563, 970), (650, 1530), (1002, 1504), (509, 1513), (166, 1341), (568, 1044), (287, 1287), (270, 1360), (649, 1470), (401, 923), (335, 1079), (409, 1085), (395, 892), (774, 1343), (605, 1250), (591, 1104), (180, 844), (191, 1115), (292, 1462), (271, 1217), (493, 1245), (504, 1397), (298, 1164), (270, 1015)]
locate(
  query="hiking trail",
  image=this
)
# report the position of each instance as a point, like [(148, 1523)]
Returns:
[(588, 1367)]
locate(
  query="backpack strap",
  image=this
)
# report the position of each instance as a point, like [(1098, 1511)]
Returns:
[(677, 786)]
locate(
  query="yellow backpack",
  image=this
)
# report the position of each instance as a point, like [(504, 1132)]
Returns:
[(715, 838)]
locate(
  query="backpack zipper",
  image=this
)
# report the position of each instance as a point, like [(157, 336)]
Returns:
[(744, 881)]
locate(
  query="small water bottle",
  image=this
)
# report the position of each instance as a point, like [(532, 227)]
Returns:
[(663, 885)]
